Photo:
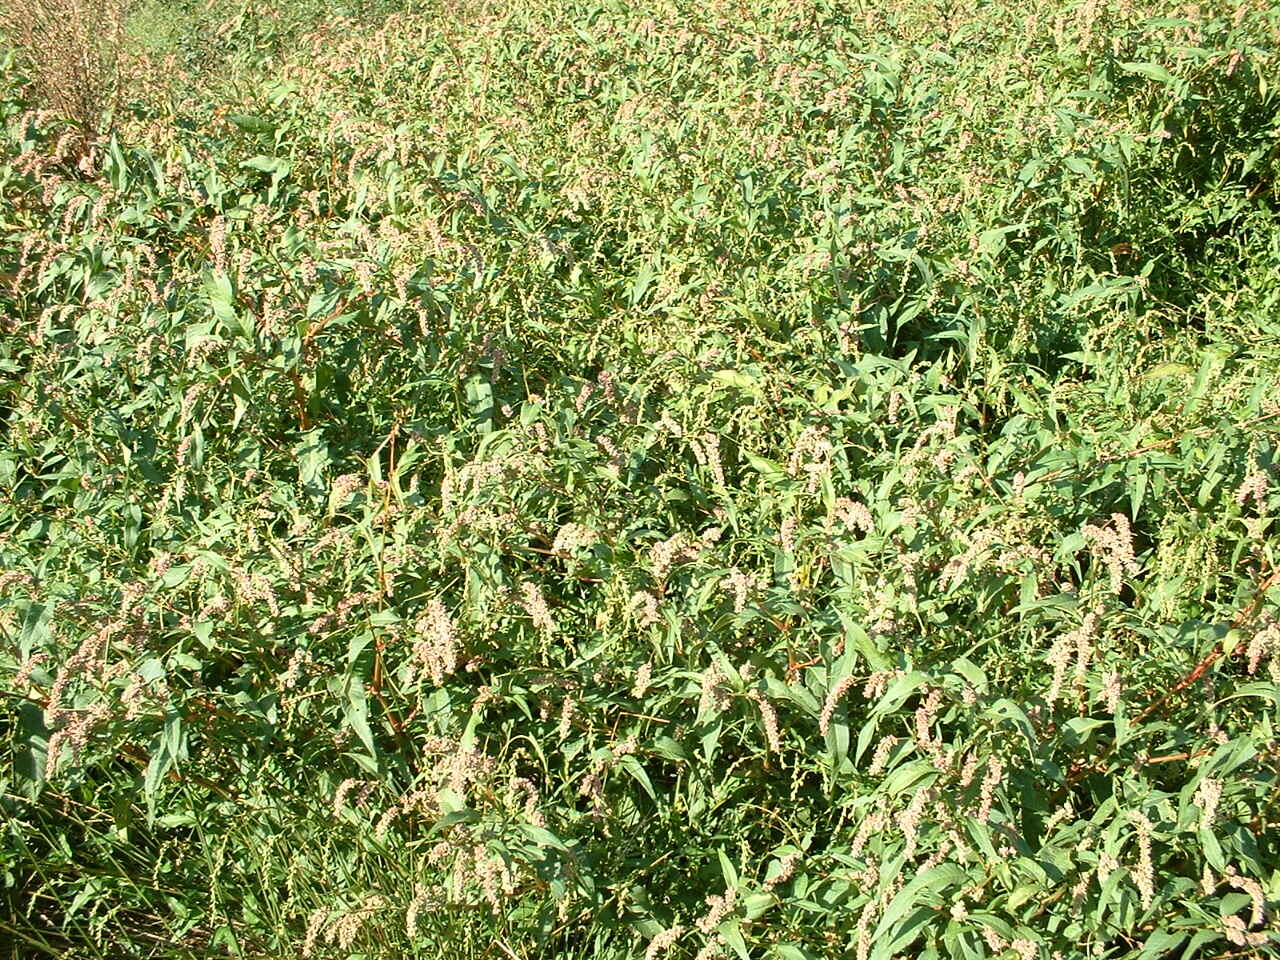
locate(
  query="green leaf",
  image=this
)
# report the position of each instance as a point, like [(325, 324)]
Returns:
[(790, 951), (1152, 71), (218, 288), (771, 471), (359, 642), (1161, 944), (637, 772), (173, 741), (909, 775), (640, 285), (857, 638), (279, 169), (1212, 848), (1006, 709), (972, 673), (357, 713), (738, 379), (480, 401), (898, 692), (172, 820), (1167, 370), (455, 817), (727, 870), (732, 933), (916, 891), (160, 763), (313, 459), (543, 837), (1080, 729), (670, 749), (251, 124)]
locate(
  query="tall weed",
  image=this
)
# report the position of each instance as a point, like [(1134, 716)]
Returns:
[(72, 49)]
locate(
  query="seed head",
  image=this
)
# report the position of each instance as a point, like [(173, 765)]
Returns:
[(663, 941), (536, 606), (643, 677), (843, 685)]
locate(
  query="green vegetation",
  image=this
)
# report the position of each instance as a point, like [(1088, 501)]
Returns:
[(678, 480)]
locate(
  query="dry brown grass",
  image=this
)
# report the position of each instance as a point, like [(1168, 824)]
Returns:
[(73, 48)]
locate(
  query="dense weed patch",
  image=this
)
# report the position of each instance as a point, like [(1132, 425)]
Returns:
[(763, 480)]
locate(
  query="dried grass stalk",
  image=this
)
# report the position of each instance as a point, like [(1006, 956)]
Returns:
[(73, 49)]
